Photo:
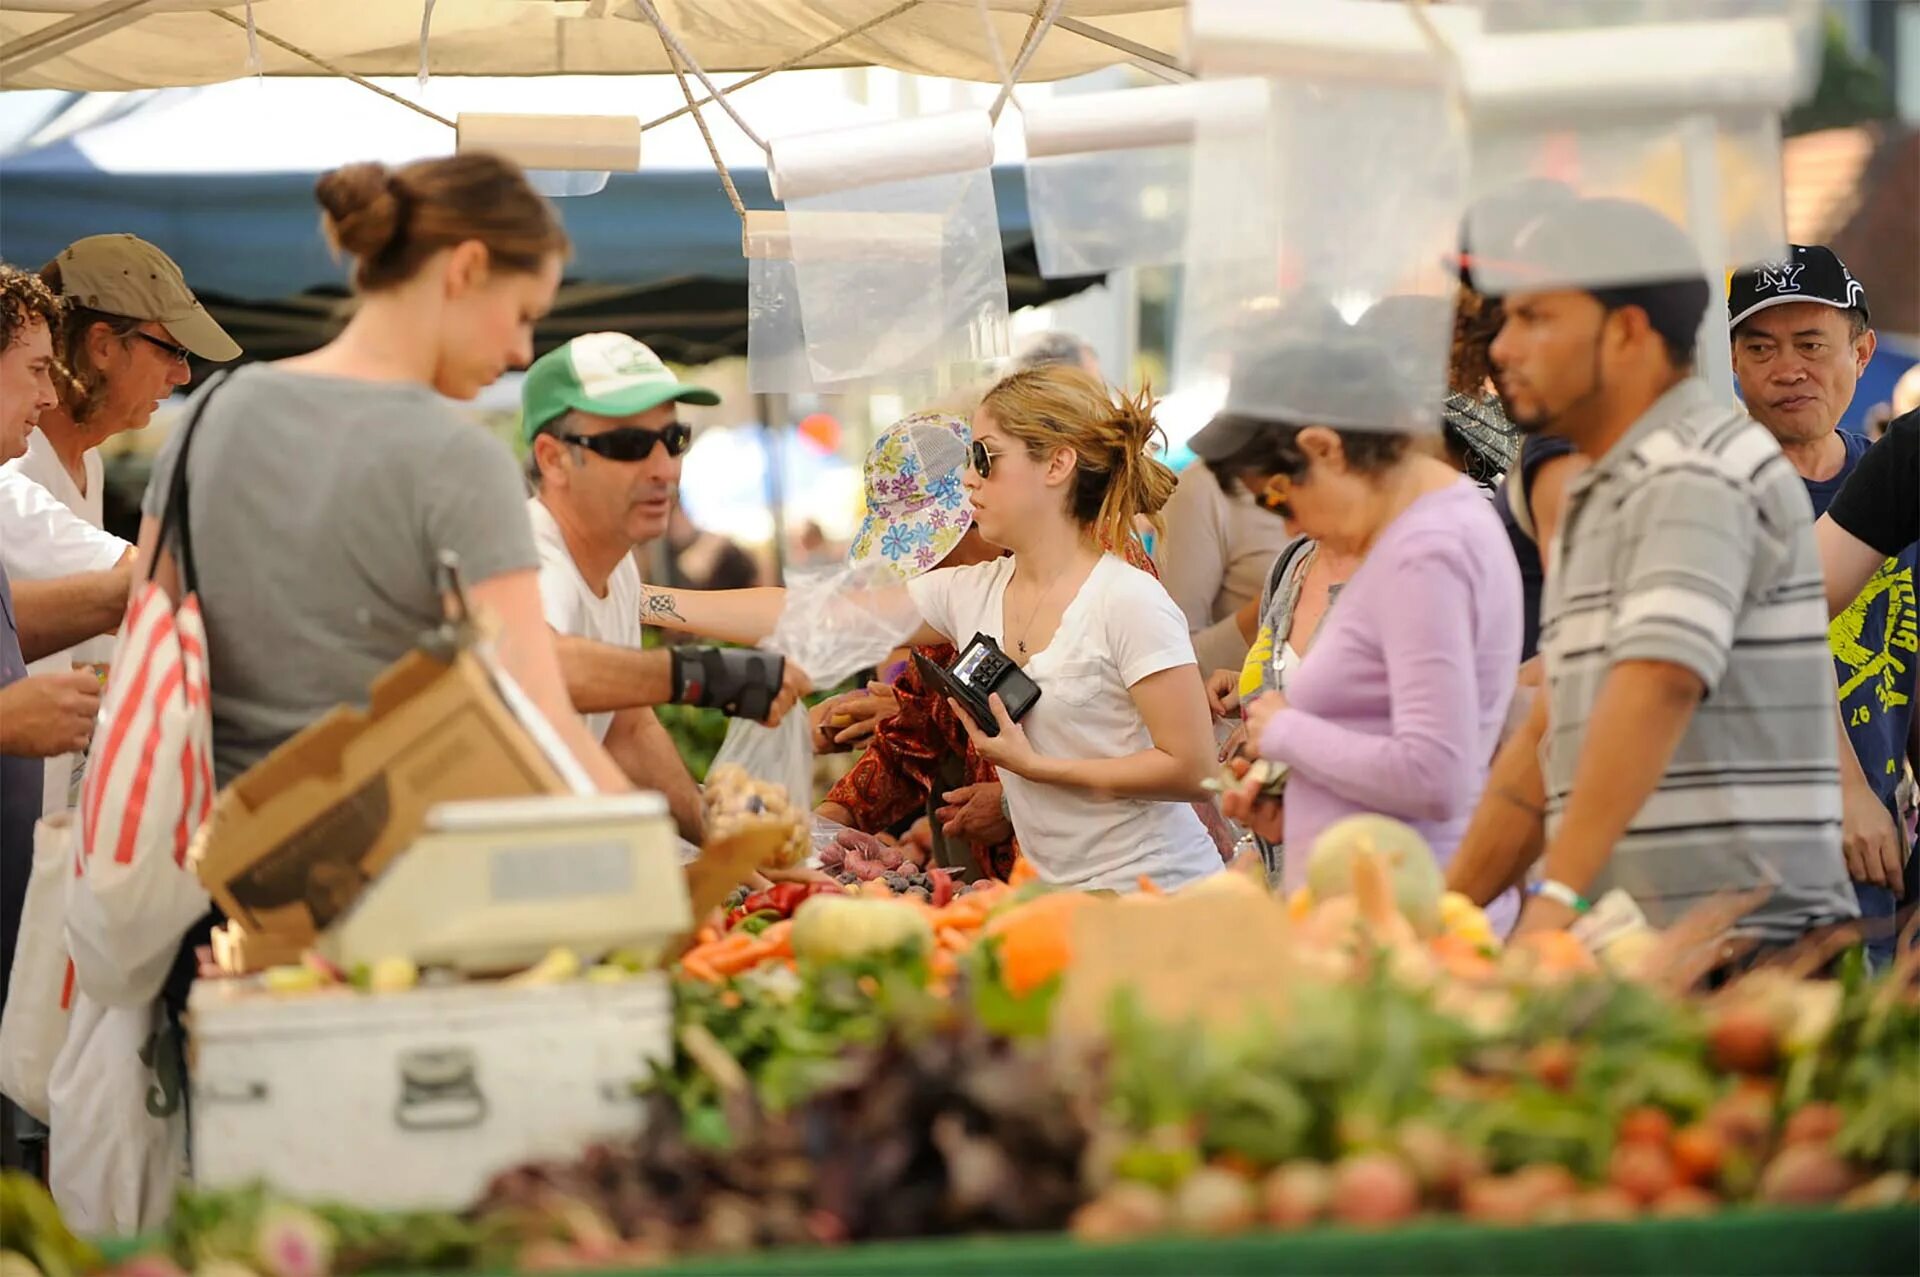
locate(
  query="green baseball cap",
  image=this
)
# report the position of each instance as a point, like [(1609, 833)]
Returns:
[(607, 374)]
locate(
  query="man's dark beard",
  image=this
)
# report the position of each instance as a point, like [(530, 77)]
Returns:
[(1544, 422)]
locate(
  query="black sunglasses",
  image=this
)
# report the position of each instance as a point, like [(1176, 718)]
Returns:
[(982, 459), (179, 354), (632, 443)]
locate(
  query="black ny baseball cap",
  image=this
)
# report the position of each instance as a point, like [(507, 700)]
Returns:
[(1811, 273)]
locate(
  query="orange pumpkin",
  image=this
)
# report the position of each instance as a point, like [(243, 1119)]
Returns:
[(1036, 939)]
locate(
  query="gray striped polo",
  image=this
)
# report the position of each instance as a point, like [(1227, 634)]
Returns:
[(1691, 542)]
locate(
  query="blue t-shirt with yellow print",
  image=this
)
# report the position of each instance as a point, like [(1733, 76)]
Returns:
[(1874, 644)]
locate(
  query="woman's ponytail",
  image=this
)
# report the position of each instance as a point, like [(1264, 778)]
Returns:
[(1138, 484), (1116, 481)]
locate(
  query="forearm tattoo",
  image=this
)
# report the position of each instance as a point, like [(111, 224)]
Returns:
[(655, 608)]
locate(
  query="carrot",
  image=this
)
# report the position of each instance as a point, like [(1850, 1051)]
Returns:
[(699, 968), (1022, 872), (1148, 887), (706, 935), (961, 914), (742, 959), (954, 941), (943, 965)]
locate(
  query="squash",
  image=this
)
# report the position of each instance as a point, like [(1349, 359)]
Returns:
[(830, 928), (1409, 862)]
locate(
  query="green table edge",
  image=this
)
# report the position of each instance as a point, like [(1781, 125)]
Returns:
[(1736, 1243)]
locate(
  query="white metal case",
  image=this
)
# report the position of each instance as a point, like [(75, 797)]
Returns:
[(414, 1100)]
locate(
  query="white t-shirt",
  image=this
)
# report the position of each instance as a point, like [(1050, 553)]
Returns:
[(571, 605), (1119, 629), (43, 466), (41, 539)]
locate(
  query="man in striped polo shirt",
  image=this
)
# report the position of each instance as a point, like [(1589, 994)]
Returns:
[(1685, 746)]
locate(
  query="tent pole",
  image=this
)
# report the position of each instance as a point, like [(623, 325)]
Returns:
[(1137, 52), (54, 40)]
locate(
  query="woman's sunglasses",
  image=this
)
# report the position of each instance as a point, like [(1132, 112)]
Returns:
[(632, 443), (982, 459)]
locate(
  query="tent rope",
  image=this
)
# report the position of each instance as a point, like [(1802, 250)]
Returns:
[(788, 64), (426, 27), (253, 44), (1044, 14), (331, 69), (706, 134), (677, 53)]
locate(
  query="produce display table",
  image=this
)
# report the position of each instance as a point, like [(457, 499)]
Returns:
[(1737, 1244)]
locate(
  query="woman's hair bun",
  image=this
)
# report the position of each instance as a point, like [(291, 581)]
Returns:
[(363, 208)]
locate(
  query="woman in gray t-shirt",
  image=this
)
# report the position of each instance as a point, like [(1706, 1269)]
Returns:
[(325, 488)]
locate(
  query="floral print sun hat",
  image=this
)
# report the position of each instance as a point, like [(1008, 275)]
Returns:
[(917, 510)]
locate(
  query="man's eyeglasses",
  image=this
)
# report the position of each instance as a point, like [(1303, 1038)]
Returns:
[(179, 354), (982, 459), (632, 443)]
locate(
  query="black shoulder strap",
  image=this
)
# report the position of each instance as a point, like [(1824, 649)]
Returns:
[(173, 515), (1282, 563)]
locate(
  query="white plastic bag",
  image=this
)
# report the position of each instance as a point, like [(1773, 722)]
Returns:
[(40, 991), (115, 1166), (836, 622)]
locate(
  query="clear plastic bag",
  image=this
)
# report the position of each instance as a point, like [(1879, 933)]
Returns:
[(776, 337), (895, 238), (1103, 210), (836, 622), (1674, 107), (1331, 217)]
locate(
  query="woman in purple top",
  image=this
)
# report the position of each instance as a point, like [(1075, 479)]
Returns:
[(1398, 706)]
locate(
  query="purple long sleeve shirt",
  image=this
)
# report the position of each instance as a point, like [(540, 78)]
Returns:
[(1398, 706)]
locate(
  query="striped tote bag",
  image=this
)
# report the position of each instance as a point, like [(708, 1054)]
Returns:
[(149, 782)]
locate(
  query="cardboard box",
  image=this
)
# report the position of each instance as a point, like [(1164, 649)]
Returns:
[(292, 842)]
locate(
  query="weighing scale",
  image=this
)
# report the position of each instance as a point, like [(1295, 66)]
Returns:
[(496, 885)]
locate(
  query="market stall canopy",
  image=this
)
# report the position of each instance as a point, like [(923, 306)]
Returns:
[(132, 44), (222, 177)]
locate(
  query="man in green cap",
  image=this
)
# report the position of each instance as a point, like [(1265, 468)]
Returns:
[(600, 419)]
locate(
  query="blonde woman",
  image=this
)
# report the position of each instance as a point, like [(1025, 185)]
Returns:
[(1101, 775)]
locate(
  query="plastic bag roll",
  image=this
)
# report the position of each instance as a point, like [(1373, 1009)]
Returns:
[(1640, 70), (1805, 20), (1322, 39), (1134, 118), (595, 143), (808, 165)]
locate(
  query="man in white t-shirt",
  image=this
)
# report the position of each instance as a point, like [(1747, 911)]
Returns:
[(604, 449), (128, 325)]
